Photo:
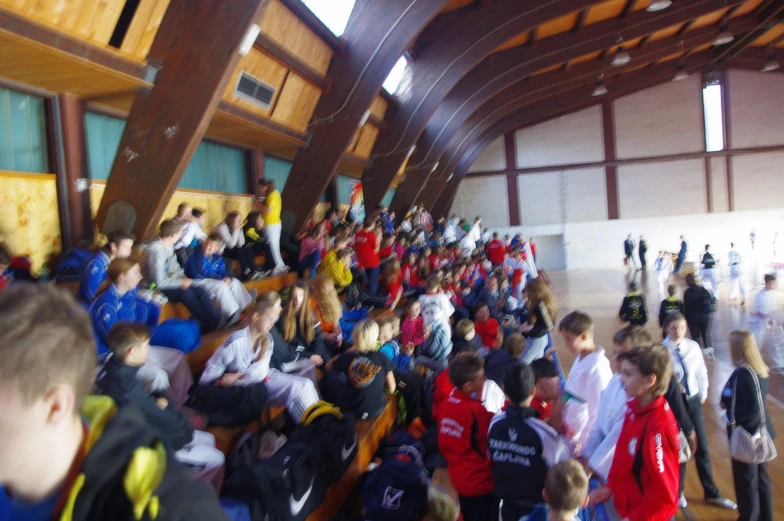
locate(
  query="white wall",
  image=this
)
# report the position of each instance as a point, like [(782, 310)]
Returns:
[(666, 119), (492, 158), (574, 138), (599, 245), (758, 180), (485, 196), (756, 108), (666, 188)]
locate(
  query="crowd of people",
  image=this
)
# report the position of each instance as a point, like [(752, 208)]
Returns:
[(103, 396)]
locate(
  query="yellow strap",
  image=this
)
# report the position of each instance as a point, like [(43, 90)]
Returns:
[(320, 408)]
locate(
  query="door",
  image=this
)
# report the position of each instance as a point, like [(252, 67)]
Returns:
[(550, 252)]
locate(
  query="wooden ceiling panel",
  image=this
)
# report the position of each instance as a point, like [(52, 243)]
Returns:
[(708, 19), (605, 11), (514, 42), (44, 67), (557, 26), (746, 8), (769, 36), (665, 33), (586, 57), (244, 133), (548, 69)]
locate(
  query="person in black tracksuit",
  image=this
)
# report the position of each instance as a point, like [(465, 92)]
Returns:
[(698, 310), (642, 249), (522, 448), (669, 305), (628, 250), (633, 309)]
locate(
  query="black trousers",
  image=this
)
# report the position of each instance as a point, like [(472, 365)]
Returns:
[(198, 302), (412, 389), (479, 508), (513, 511), (753, 491), (701, 332), (643, 262), (701, 455), (245, 257)]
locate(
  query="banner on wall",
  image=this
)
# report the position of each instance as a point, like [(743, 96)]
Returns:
[(357, 201)]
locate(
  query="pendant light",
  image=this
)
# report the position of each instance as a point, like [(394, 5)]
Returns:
[(771, 64), (621, 57), (680, 73), (725, 36), (658, 5), (600, 89)]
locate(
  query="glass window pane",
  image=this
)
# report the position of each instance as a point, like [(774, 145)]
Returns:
[(392, 82), (334, 13), (23, 139), (714, 118)]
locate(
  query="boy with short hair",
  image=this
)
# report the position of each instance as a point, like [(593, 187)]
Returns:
[(521, 446), (633, 309), (643, 479), (206, 267), (669, 305), (566, 493), (435, 305), (162, 271), (462, 439), (48, 470), (500, 355), (94, 273), (548, 387), (588, 377), (486, 326), (466, 337), (118, 379)]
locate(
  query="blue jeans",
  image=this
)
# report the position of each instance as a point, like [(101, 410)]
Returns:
[(534, 349), (373, 275)]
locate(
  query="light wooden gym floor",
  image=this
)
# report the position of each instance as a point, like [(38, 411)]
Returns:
[(599, 293)]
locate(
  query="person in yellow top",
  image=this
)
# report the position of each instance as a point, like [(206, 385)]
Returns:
[(337, 265), (270, 203)]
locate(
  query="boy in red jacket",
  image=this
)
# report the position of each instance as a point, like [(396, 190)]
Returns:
[(644, 477), (485, 326), (462, 438)]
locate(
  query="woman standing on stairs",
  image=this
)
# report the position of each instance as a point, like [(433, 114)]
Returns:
[(270, 202)]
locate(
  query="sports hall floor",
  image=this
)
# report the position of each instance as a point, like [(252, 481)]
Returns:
[(599, 293)]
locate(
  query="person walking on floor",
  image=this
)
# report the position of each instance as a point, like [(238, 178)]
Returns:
[(642, 250), (699, 306), (628, 250), (734, 259), (681, 254), (708, 272)]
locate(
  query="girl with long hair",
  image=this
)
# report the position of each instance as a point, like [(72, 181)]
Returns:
[(542, 314), (748, 385), (299, 325), (324, 301), (233, 247), (392, 282)]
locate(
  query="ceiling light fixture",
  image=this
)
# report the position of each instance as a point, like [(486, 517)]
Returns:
[(600, 89), (680, 73), (725, 36), (658, 5), (771, 64), (621, 57)]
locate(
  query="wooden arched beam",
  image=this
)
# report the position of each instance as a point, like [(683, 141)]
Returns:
[(446, 50), (508, 67), (554, 107), (377, 34)]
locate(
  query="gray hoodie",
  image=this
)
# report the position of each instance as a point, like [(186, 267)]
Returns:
[(160, 266)]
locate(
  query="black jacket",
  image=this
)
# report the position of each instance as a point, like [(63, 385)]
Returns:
[(281, 352), (669, 305), (522, 449), (496, 362), (119, 382), (543, 324), (677, 403), (166, 494), (747, 404), (696, 304), (317, 346), (461, 344), (633, 309)]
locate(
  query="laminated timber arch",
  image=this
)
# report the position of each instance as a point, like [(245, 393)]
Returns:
[(511, 66), (453, 44), (377, 34)]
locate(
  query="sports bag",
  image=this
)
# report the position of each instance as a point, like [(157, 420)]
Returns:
[(332, 436), (749, 447), (397, 489), (228, 406), (285, 487)]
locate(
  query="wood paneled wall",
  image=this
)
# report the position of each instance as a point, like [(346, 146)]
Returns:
[(283, 27), (143, 28), (29, 222)]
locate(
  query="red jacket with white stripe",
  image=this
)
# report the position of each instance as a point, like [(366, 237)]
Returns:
[(645, 471), (463, 424)]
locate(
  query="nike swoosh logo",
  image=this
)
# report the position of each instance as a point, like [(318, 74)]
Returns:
[(296, 506), (346, 452)]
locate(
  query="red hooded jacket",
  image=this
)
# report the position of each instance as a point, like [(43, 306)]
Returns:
[(462, 438), (644, 476)]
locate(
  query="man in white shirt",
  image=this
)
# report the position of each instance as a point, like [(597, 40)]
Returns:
[(765, 314), (736, 274)]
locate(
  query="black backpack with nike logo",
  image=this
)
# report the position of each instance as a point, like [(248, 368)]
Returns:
[(332, 436), (285, 487)]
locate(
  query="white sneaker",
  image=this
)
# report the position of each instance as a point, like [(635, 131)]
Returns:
[(709, 353), (682, 503), (722, 502)]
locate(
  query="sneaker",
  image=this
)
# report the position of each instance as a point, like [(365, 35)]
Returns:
[(722, 502), (682, 503), (709, 353)]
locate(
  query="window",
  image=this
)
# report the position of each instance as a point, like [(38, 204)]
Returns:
[(392, 83), (103, 134), (714, 117), (23, 143), (334, 13)]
